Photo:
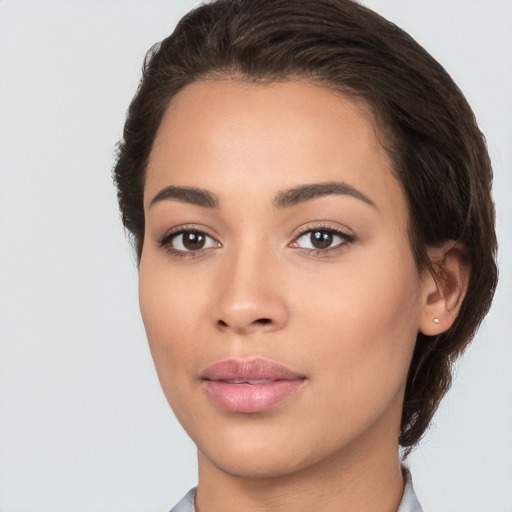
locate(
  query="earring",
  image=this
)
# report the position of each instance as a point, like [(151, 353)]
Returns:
[(436, 320)]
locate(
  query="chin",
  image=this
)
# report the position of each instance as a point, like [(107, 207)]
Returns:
[(256, 452), (252, 464)]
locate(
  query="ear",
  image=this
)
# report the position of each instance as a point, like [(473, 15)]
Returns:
[(444, 287)]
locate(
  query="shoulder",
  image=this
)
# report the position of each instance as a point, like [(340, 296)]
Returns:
[(409, 501), (187, 502)]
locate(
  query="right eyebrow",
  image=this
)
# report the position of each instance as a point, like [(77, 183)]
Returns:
[(190, 195)]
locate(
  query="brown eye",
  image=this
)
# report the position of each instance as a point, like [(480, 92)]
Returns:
[(321, 239), (193, 240), (184, 242)]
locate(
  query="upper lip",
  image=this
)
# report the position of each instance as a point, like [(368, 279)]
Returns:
[(249, 370)]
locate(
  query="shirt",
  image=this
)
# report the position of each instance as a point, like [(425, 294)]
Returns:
[(409, 501)]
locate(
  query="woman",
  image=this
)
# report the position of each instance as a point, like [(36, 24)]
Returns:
[(309, 197)]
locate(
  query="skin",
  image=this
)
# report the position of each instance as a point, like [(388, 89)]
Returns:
[(345, 317)]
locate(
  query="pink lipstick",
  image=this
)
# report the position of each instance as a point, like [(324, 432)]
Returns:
[(249, 386)]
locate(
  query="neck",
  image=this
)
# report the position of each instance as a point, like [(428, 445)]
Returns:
[(363, 477)]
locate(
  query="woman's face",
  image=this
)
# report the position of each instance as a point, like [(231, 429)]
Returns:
[(277, 285)]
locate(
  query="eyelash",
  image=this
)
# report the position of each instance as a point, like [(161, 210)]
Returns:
[(166, 241), (309, 230)]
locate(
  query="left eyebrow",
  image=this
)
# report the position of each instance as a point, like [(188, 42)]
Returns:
[(305, 193)]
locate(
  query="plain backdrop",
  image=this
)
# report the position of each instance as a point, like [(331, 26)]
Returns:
[(84, 426)]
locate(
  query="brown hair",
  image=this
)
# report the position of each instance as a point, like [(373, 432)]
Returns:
[(439, 154)]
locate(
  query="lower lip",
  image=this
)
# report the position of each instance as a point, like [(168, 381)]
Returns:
[(250, 398)]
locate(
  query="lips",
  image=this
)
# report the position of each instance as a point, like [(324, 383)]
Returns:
[(249, 386)]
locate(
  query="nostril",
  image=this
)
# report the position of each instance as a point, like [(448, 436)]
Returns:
[(239, 324)]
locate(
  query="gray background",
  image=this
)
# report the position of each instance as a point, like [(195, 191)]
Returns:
[(83, 423)]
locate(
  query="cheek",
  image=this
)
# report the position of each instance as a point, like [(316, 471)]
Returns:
[(362, 341), (168, 300), (170, 315), (363, 322)]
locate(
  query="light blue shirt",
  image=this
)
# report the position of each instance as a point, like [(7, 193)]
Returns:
[(409, 501)]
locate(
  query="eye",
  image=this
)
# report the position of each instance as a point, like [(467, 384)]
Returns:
[(187, 241), (321, 239)]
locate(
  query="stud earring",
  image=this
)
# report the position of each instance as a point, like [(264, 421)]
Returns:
[(436, 320)]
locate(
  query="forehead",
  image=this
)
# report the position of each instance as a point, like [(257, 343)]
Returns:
[(263, 110), (219, 134)]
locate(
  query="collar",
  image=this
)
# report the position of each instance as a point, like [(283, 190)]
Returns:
[(409, 501)]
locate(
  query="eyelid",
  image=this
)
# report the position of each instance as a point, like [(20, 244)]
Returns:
[(324, 226), (342, 231), (171, 234)]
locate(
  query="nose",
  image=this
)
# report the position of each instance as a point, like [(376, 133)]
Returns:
[(251, 295)]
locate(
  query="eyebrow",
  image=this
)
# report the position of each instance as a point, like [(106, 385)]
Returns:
[(190, 195), (286, 199), (305, 193)]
